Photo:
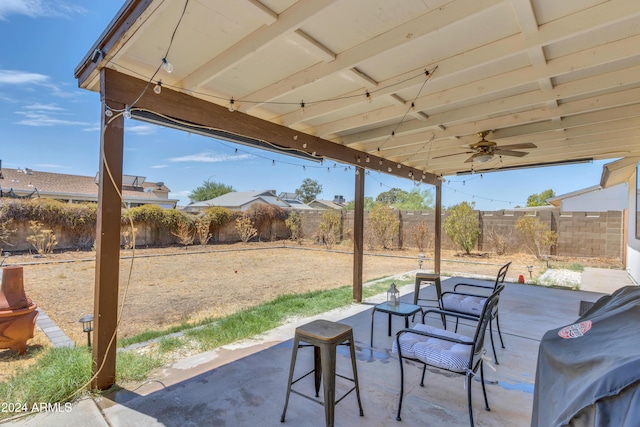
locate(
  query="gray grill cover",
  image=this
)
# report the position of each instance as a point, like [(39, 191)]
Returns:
[(591, 376)]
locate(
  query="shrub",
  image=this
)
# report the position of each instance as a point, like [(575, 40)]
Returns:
[(384, 224), (499, 240), (184, 233), (328, 231), (462, 226), (218, 216), (5, 225), (128, 234), (245, 228), (420, 235), (202, 227), (294, 224), (43, 240), (538, 238), (263, 217)]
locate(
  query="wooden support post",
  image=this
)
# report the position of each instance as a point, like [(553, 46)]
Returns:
[(358, 233), (438, 228), (108, 248)]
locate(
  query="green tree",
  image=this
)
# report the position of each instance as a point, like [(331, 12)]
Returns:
[(392, 196), (462, 226), (414, 200), (368, 204), (309, 190), (209, 190), (540, 199)]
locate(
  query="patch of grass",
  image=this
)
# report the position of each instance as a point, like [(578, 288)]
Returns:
[(60, 372), (574, 266), (54, 378), (167, 345), (133, 366)]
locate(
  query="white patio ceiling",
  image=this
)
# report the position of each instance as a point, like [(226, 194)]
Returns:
[(563, 75)]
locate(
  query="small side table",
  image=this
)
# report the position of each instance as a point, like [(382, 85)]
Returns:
[(402, 309), (434, 278)]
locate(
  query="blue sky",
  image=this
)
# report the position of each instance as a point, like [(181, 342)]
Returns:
[(48, 124)]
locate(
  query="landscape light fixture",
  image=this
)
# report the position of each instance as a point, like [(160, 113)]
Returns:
[(530, 268), (420, 261), (87, 326)]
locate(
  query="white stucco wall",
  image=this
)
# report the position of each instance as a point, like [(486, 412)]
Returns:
[(633, 244), (603, 200)]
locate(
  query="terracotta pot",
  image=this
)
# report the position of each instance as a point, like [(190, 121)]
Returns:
[(17, 312)]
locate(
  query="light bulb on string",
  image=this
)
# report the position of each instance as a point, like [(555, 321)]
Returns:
[(357, 172), (367, 159), (232, 105), (127, 113), (304, 168), (389, 169), (273, 162), (302, 108), (108, 112), (413, 107), (158, 87), (393, 135), (167, 65), (358, 159), (368, 95), (399, 165)]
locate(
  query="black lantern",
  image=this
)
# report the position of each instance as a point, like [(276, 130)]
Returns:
[(393, 295), (87, 326)]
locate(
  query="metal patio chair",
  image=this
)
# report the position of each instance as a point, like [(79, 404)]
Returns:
[(471, 303), (446, 350)]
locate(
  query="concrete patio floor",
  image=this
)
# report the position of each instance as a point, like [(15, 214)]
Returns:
[(244, 384)]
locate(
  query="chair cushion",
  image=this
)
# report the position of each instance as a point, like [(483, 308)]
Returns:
[(463, 303), (433, 351)]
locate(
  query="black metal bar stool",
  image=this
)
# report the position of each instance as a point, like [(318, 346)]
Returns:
[(324, 336)]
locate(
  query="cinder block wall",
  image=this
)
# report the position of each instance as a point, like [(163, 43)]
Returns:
[(580, 234)]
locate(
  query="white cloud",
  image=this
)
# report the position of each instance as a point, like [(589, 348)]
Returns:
[(44, 107), (210, 158), (14, 77), (159, 166), (140, 129), (37, 119), (39, 8)]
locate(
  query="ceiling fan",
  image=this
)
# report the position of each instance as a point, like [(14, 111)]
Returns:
[(483, 150)]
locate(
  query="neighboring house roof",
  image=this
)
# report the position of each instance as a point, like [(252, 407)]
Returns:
[(325, 204), (79, 188), (592, 199), (237, 200)]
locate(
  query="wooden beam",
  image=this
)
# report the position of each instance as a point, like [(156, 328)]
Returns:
[(107, 248), (438, 229), (358, 235), (186, 108)]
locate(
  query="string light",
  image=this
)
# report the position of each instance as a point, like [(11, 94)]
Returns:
[(158, 88), (127, 113), (304, 145), (108, 112), (273, 163), (358, 159), (167, 65), (393, 135), (399, 165), (367, 159), (302, 108), (232, 106), (368, 95)]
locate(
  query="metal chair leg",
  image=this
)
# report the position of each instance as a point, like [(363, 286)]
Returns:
[(294, 354), (499, 332)]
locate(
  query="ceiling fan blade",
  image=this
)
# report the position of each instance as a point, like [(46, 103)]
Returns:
[(449, 155), (518, 146), (510, 153)]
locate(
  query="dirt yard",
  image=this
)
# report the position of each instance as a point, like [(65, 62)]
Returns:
[(163, 287)]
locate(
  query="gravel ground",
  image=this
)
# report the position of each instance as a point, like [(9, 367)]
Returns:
[(553, 277)]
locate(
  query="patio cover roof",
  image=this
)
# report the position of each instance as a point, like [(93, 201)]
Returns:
[(400, 87), (564, 76)]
